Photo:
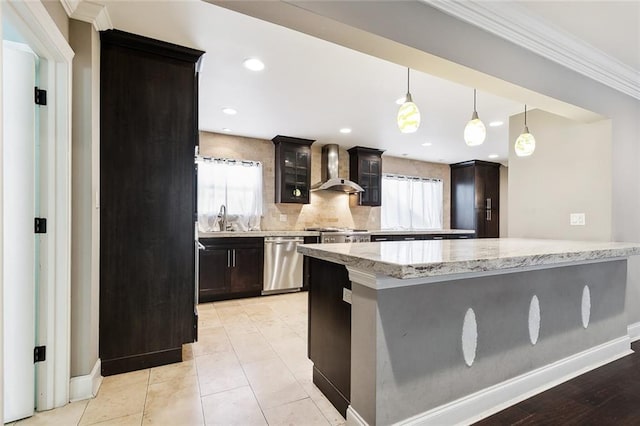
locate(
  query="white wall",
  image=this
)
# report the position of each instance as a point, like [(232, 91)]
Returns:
[(1, 254), (569, 172), (504, 201), (85, 288)]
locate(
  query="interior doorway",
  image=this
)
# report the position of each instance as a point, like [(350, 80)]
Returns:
[(45, 259)]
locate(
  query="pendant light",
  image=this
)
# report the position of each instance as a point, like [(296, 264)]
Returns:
[(408, 114), (474, 131), (526, 143)]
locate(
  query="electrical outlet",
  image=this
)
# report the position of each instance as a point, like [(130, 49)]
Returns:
[(283, 218), (346, 295), (577, 219)]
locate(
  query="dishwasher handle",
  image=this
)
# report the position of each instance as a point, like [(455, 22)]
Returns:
[(283, 240)]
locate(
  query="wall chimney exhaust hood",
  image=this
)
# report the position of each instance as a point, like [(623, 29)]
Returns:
[(329, 172)]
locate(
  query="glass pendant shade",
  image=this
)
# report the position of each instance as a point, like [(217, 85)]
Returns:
[(526, 143), (408, 116), (475, 132)]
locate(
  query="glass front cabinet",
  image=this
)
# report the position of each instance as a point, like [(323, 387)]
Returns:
[(292, 169), (365, 168)]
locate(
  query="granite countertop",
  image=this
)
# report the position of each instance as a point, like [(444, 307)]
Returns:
[(416, 259), (220, 234), (301, 233), (422, 231)]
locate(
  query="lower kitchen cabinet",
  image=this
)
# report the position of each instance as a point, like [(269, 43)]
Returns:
[(230, 267), (329, 343), (305, 263), (416, 237)]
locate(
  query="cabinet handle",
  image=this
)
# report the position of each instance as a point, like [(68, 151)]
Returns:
[(488, 203), (438, 238), (234, 258), (409, 238), (489, 215), (382, 239), (228, 258)]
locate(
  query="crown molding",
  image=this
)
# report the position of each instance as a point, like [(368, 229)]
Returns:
[(93, 13), (515, 24)]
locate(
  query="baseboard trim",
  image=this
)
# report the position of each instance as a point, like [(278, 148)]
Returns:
[(85, 387), (489, 401), (140, 362), (354, 418), (634, 331)]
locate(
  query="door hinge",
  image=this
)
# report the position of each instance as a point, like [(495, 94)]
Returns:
[(40, 225), (41, 96), (39, 354)]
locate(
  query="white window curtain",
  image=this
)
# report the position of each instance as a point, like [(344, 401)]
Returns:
[(237, 185), (411, 202)]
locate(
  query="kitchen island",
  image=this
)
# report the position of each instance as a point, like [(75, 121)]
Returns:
[(450, 331)]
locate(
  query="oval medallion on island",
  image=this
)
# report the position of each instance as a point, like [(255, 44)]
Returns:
[(469, 337)]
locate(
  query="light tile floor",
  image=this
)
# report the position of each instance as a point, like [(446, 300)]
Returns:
[(249, 367)]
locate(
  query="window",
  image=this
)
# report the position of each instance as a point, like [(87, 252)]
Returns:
[(411, 202), (235, 184)]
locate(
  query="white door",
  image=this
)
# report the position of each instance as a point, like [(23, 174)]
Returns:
[(19, 186)]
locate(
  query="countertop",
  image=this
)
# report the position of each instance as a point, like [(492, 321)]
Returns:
[(416, 259), (236, 234), (302, 233)]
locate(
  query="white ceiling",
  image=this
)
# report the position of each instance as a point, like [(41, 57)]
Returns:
[(611, 26), (311, 88)]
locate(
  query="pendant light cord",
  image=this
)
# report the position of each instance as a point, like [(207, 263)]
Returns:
[(474, 100), (525, 115), (408, 80)]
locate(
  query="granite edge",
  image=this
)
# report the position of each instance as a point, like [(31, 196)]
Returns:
[(405, 271)]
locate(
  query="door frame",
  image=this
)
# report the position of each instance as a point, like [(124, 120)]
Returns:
[(43, 36)]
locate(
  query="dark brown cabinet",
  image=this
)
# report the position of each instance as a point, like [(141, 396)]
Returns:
[(293, 169), (329, 344), (475, 197), (417, 237), (365, 168), (148, 132), (230, 267)]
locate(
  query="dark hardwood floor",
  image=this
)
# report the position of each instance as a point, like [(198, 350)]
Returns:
[(609, 395)]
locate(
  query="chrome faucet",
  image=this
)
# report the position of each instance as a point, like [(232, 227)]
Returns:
[(222, 214)]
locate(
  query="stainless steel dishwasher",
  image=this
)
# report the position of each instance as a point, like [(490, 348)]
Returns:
[(282, 264)]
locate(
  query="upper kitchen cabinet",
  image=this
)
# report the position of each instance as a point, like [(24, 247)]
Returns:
[(148, 132), (475, 197), (365, 168), (292, 169)]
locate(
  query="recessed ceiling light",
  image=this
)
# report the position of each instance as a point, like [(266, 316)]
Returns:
[(401, 100), (229, 111), (253, 64), (493, 155), (405, 154), (496, 123), (427, 144), (345, 130), (226, 129)]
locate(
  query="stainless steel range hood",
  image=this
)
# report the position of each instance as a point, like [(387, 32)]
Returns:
[(329, 172)]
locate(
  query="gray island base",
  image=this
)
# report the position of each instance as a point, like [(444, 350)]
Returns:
[(449, 332)]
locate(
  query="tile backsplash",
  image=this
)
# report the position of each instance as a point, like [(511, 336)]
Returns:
[(327, 208)]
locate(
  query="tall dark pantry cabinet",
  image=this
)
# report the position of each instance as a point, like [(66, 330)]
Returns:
[(148, 131), (475, 197)]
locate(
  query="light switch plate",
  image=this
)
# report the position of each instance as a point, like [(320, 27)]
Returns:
[(283, 218), (577, 219), (346, 295)]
